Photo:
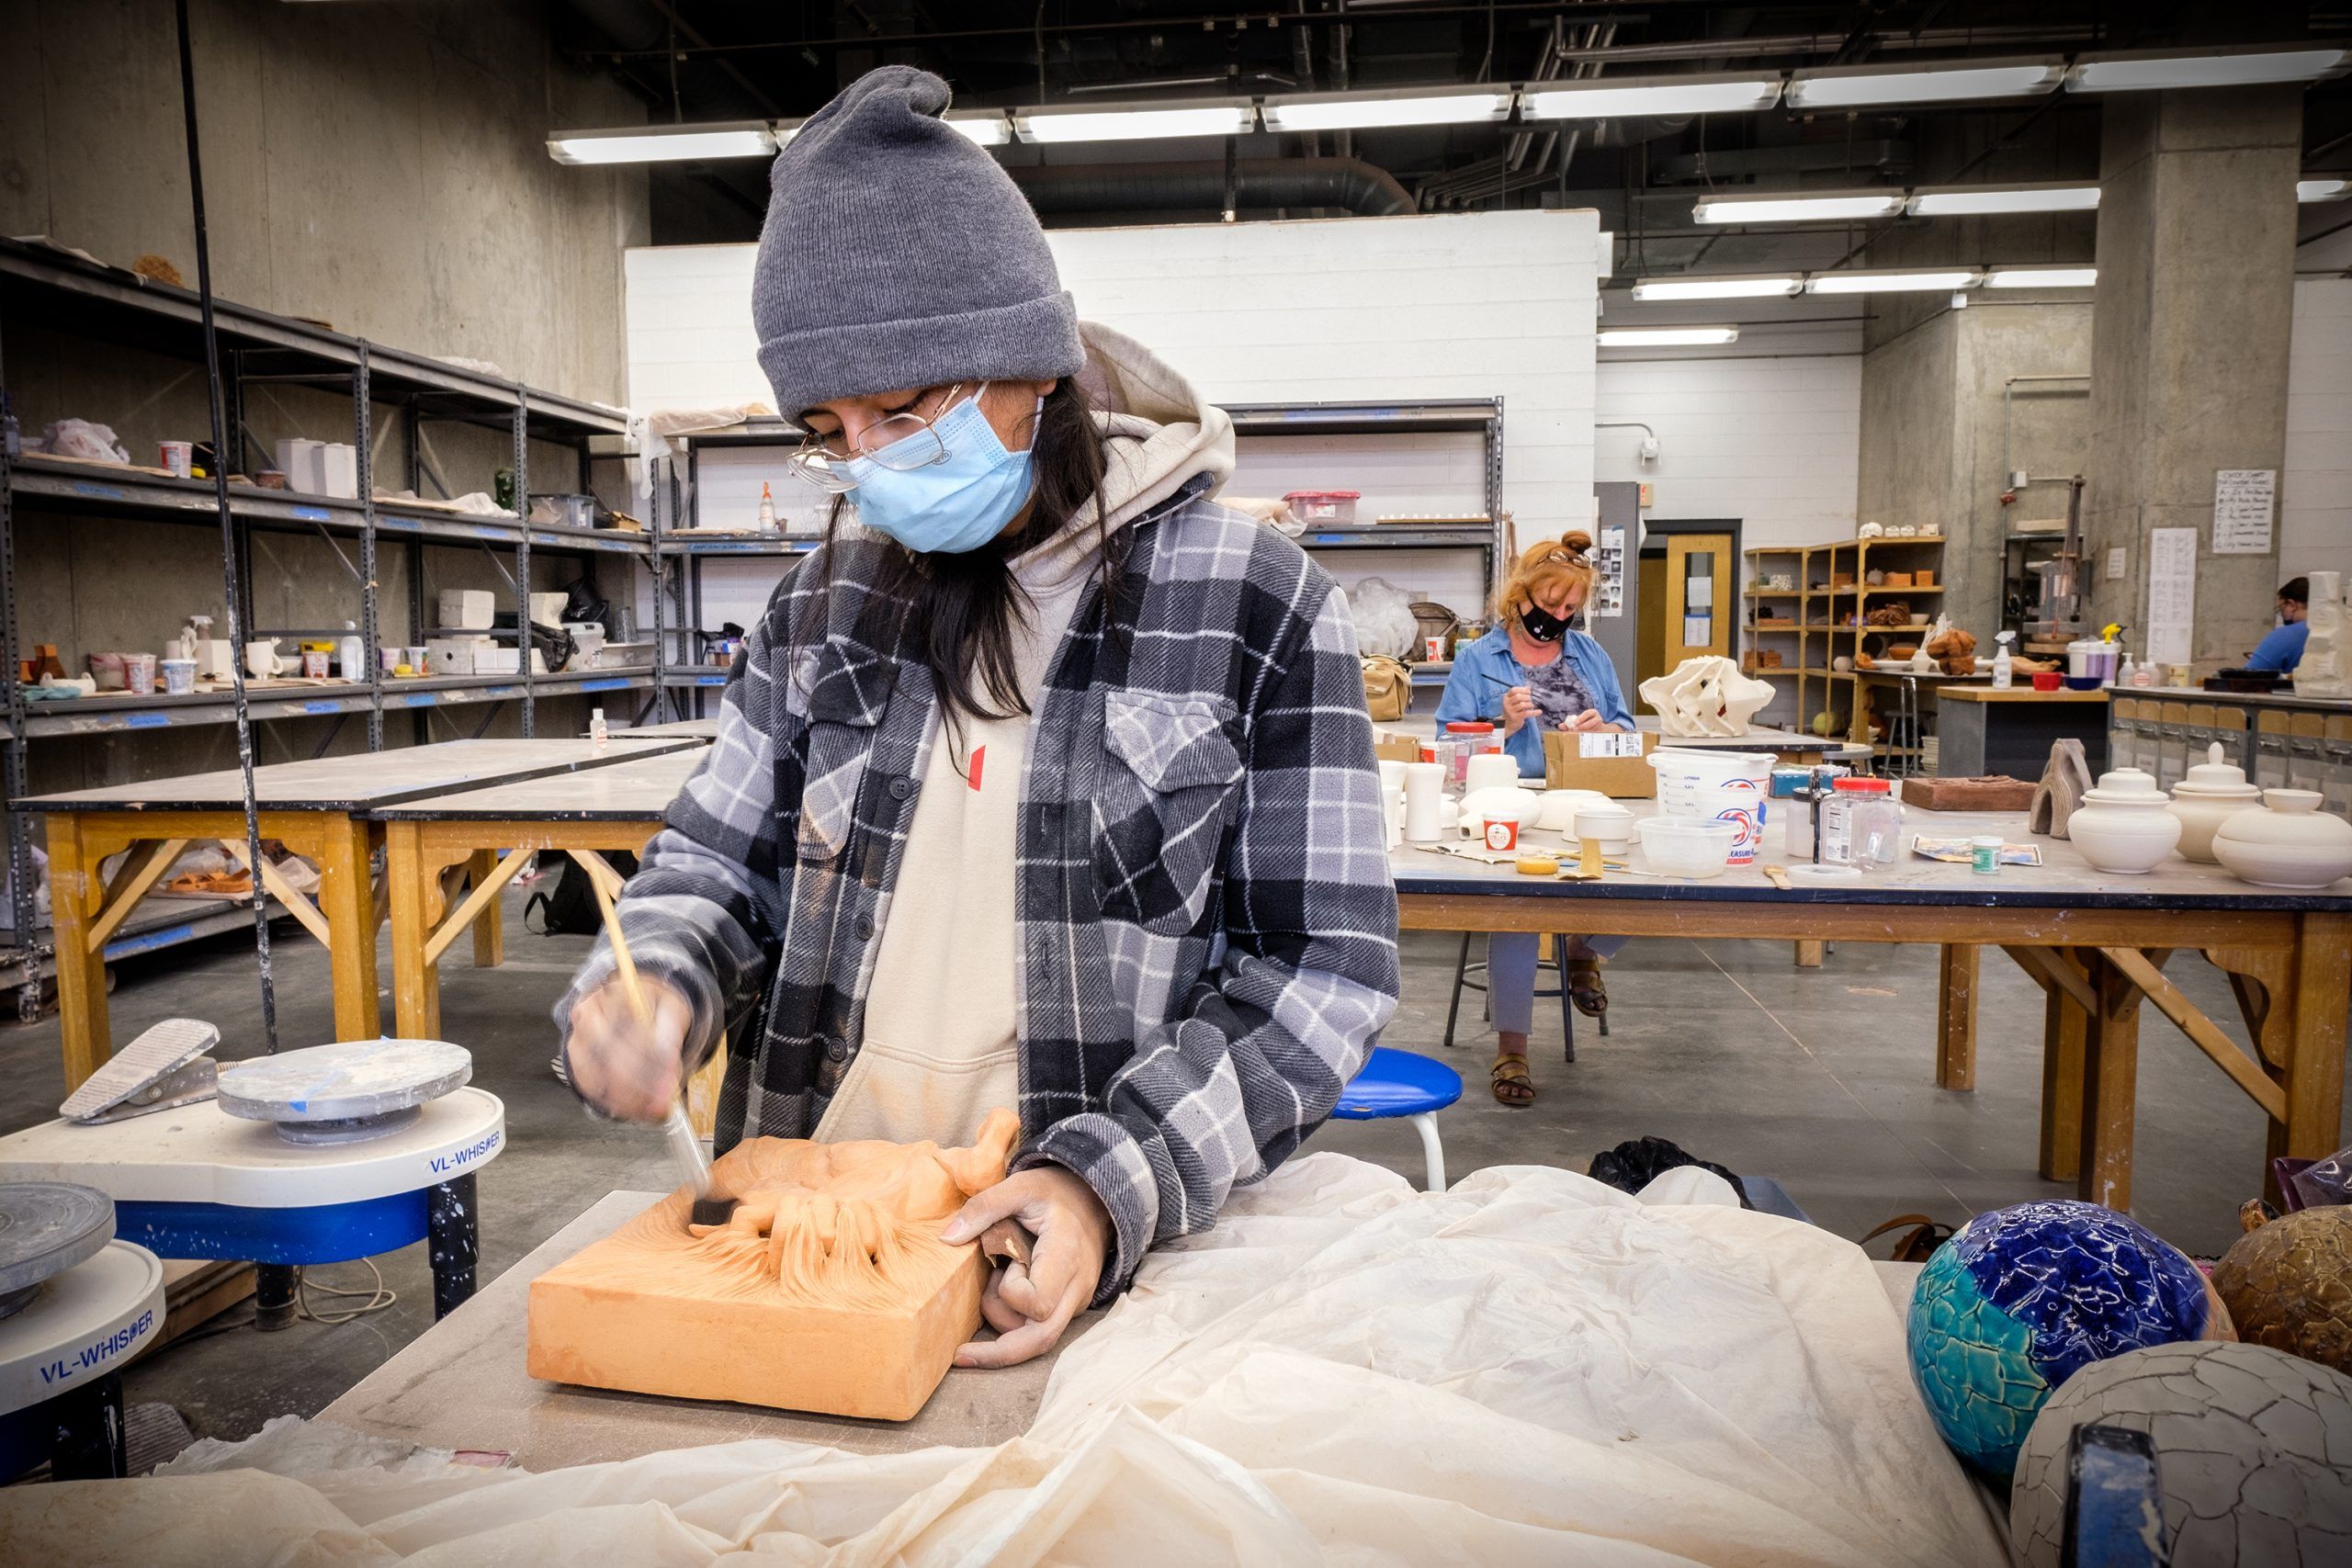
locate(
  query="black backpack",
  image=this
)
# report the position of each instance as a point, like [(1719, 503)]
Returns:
[(570, 908)]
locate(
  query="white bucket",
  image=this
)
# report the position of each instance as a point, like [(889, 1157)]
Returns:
[(1722, 786)]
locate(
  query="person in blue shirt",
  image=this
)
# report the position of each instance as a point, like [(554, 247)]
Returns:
[(2283, 649), (1534, 673)]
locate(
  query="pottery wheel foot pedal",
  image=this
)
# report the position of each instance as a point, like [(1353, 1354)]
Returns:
[(344, 1093), (164, 1069)]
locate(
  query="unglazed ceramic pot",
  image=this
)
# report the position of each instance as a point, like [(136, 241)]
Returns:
[(2213, 792), (2290, 844), (2123, 825)]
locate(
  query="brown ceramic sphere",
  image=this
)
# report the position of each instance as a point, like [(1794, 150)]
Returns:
[(2288, 1285)]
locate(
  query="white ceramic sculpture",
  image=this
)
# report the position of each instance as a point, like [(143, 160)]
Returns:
[(2213, 792), (2122, 826), (2326, 668), (2290, 844), (1706, 695)]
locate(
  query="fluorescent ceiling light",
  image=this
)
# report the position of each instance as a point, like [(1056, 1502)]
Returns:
[(1795, 209), (1664, 337), (2140, 72), (1780, 285), (1363, 112), (2333, 189), (989, 129), (646, 144), (1132, 124), (1964, 203), (1666, 97), (2041, 277), (1887, 282), (1838, 89)]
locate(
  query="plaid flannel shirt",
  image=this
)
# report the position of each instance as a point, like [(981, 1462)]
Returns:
[(1208, 925)]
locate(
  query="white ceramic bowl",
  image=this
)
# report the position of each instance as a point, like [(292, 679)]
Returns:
[(1680, 846), (1560, 807), (1606, 821)]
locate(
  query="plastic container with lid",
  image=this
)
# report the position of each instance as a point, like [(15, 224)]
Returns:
[(1324, 508), (1861, 824), (1458, 742)]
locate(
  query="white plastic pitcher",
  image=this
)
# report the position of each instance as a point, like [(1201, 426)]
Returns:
[(1722, 786)]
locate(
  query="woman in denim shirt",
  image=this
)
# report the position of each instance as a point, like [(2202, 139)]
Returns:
[(1529, 674)]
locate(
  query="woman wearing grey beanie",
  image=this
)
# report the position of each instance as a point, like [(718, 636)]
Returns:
[(1044, 783)]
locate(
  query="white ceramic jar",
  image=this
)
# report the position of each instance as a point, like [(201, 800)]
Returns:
[(2123, 825), (2290, 844), (2213, 792), (1611, 823)]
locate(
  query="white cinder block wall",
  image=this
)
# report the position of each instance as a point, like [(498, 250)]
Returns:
[(2315, 493), (1347, 310), (1773, 441)]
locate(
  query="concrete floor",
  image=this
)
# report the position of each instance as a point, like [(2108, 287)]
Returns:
[(1821, 1078)]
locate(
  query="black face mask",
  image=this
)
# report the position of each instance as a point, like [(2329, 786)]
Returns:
[(1541, 625)]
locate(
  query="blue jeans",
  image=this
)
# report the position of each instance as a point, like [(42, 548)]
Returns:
[(1510, 975)]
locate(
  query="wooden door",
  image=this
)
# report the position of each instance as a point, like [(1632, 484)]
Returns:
[(1698, 581)]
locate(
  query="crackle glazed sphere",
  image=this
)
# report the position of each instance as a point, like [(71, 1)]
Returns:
[(2288, 1285), (2022, 1298), (2253, 1454)]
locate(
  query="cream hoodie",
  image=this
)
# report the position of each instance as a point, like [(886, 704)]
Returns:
[(941, 1047)]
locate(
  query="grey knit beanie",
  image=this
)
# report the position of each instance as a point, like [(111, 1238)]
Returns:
[(895, 254)]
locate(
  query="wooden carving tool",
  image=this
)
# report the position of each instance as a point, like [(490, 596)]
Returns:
[(685, 1146)]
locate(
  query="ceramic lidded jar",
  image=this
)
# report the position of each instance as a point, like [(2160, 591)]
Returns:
[(2290, 844), (2123, 825), (2213, 792)]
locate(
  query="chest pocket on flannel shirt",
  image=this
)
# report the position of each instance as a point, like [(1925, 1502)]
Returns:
[(1169, 791), (829, 786)]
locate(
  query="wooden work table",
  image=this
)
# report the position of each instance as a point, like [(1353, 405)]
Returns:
[(460, 1384), (434, 841), (314, 807), (2095, 943)]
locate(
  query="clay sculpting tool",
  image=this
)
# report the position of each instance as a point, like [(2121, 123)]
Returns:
[(685, 1146)]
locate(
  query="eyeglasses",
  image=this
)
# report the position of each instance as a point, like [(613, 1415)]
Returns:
[(823, 460)]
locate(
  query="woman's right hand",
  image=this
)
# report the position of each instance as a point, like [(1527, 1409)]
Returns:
[(1519, 706), (618, 1065)]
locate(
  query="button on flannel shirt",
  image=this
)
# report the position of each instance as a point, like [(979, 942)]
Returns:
[(1208, 929)]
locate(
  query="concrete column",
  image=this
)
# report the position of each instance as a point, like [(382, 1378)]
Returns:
[(2189, 369)]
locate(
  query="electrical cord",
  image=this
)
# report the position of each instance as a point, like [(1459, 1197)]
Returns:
[(222, 459), (378, 1297)]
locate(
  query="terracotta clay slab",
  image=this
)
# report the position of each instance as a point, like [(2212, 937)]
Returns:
[(829, 1290)]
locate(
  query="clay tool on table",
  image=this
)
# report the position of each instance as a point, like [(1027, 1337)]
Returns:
[(685, 1146), (1778, 875)]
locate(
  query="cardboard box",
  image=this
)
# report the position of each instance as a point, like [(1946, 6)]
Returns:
[(1621, 778), (1389, 746)]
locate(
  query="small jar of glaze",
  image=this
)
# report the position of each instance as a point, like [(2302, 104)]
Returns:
[(2288, 844), (2124, 826), (2213, 792)]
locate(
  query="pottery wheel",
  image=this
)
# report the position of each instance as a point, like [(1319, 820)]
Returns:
[(46, 1227), (342, 1093)]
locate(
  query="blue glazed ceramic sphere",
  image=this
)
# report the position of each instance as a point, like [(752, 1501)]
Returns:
[(2022, 1298)]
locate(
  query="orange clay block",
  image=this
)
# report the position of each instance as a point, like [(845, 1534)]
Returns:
[(829, 1289)]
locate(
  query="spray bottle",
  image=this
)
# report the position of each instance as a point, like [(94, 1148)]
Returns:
[(767, 506), (2002, 674)]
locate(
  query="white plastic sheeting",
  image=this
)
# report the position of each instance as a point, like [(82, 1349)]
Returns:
[(1531, 1368)]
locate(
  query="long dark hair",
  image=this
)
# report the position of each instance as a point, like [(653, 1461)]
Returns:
[(954, 612)]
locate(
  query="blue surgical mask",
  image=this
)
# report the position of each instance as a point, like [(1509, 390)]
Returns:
[(956, 504)]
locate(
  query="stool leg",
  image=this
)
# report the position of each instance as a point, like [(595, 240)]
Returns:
[(1461, 968), (1433, 1151), (87, 1442), (1567, 1008), (273, 1296)]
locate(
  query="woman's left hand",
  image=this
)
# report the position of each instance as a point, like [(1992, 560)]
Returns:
[(1029, 1306), (1589, 722)]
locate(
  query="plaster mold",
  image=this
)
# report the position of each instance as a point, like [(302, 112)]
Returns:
[(828, 1290)]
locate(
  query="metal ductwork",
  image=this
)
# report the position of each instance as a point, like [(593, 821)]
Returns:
[(1257, 183)]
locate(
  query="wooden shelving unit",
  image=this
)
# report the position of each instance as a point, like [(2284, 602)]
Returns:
[(1820, 621)]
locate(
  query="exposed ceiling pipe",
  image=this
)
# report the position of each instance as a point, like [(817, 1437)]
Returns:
[(1257, 183)]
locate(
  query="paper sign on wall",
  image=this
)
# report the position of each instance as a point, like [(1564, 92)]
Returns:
[(1610, 743), (2243, 502), (1609, 571), (2172, 593)]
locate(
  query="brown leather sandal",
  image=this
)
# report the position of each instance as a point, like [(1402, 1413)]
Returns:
[(1585, 988), (1508, 1078)]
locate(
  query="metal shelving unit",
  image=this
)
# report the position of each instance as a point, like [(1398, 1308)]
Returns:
[(106, 304)]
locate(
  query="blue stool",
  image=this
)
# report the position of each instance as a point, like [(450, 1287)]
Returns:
[(1399, 1083)]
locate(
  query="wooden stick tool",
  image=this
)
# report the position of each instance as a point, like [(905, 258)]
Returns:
[(684, 1147)]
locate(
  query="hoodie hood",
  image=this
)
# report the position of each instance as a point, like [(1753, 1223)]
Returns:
[(1162, 434)]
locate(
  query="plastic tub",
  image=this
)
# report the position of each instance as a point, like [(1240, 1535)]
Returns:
[(1719, 786), (1324, 508), (1683, 846)]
